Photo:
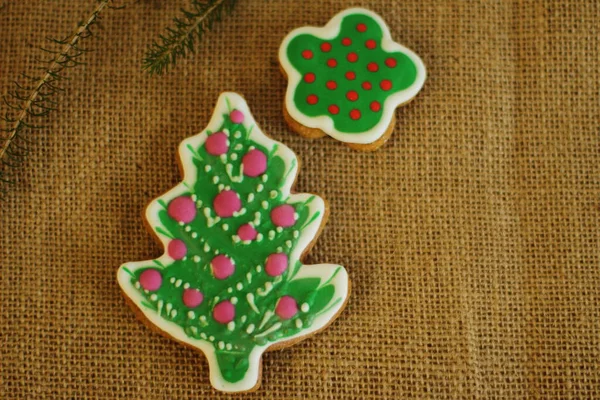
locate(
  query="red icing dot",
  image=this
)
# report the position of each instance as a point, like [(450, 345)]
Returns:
[(370, 44), (386, 84), (333, 109), (286, 307), (254, 163), (391, 62), (307, 54), (375, 106), (331, 85), (361, 27), (237, 117), (325, 46), (224, 312), (151, 279), (283, 216), (367, 85), (373, 67), (352, 57), (247, 232), (192, 298), (226, 203), (352, 95), (350, 75), (222, 266), (309, 77), (216, 144), (346, 41), (176, 249), (331, 62), (312, 99), (355, 114), (182, 209), (276, 264)]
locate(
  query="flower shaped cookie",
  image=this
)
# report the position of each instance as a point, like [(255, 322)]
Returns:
[(347, 78)]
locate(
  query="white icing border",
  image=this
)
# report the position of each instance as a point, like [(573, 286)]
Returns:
[(324, 271), (324, 122)]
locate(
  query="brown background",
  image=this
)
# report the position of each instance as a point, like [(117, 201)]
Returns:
[(471, 238)]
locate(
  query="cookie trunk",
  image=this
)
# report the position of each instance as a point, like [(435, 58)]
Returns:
[(233, 365), (235, 371)]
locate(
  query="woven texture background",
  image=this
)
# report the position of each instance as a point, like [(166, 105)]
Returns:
[(471, 238)]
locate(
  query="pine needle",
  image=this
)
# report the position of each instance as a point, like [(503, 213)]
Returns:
[(179, 41), (33, 96)]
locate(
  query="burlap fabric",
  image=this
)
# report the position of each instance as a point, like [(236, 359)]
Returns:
[(471, 238)]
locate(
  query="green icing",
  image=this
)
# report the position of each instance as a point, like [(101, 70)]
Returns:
[(205, 236), (233, 365), (402, 74)]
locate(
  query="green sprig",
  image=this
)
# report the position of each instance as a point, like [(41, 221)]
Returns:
[(180, 40), (33, 97)]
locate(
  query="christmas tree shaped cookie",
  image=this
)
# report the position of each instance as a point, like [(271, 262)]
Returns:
[(231, 282), (347, 78)]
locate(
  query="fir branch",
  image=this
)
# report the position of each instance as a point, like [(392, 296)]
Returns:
[(179, 41), (32, 97)]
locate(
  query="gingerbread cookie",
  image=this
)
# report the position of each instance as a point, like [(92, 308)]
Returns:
[(231, 282), (347, 78)]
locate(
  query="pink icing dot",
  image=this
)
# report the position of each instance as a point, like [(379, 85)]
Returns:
[(286, 307), (254, 162), (226, 203), (247, 232), (222, 266), (224, 312), (151, 279), (182, 209), (177, 249), (216, 144), (237, 117), (276, 264), (283, 216), (192, 298)]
